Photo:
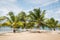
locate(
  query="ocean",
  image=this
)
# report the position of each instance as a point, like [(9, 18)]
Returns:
[(9, 29)]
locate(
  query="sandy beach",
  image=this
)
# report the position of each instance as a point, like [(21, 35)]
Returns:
[(30, 36)]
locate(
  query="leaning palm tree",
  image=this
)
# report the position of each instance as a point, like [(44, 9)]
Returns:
[(37, 16), (12, 21), (52, 23)]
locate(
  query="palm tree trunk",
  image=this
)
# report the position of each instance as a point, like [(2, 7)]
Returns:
[(54, 29), (38, 26), (24, 24), (14, 30)]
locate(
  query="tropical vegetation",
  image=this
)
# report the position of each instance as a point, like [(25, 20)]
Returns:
[(35, 19)]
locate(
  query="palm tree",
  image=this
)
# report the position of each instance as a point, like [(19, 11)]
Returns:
[(12, 20), (37, 16), (22, 17), (52, 23), (30, 25)]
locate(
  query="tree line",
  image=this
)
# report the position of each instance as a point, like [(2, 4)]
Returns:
[(35, 19)]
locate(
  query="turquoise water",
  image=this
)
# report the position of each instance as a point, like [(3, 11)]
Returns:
[(8, 29), (5, 29)]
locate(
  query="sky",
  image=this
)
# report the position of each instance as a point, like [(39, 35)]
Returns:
[(52, 7)]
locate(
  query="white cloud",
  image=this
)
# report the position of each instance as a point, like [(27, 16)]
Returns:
[(42, 2), (49, 2), (8, 5), (52, 13), (4, 10), (8, 0)]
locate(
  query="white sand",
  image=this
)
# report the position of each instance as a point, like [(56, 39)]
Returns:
[(30, 36)]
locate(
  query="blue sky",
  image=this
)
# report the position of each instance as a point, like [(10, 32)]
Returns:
[(52, 7)]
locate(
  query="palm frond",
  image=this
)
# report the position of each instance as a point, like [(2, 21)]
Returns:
[(12, 17)]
